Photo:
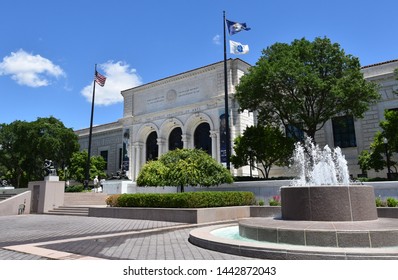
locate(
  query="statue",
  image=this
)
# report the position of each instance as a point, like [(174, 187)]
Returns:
[(49, 168), (120, 175), (3, 183)]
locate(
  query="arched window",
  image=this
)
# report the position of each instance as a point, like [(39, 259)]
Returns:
[(152, 146), (175, 139), (202, 138)]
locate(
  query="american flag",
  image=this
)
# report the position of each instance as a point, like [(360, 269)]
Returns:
[(100, 79)]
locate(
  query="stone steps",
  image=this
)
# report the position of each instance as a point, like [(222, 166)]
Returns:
[(4, 196), (84, 199), (77, 204), (69, 210)]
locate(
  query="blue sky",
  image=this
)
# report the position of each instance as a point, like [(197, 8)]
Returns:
[(48, 48)]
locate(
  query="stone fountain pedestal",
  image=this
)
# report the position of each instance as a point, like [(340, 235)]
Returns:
[(328, 203), (320, 221), (317, 222), (325, 216)]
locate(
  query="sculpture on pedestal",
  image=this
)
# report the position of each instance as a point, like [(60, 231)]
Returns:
[(49, 168)]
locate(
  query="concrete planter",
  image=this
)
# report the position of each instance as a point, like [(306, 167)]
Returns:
[(180, 215), (328, 203), (203, 215)]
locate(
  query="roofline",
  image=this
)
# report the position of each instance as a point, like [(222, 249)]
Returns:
[(380, 63), (112, 126), (186, 72)]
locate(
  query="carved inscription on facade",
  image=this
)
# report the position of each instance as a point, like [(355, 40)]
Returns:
[(188, 92), (172, 95)]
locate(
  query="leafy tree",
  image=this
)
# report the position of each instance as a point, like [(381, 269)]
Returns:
[(264, 144), (184, 167), (152, 174), (25, 146), (389, 127), (11, 156), (375, 157), (78, 164), (304, 84)]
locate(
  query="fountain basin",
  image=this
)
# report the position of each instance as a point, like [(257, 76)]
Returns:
[(328, 203), (381, 247), (382, 233)]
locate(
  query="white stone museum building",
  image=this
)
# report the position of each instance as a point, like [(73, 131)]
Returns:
[(187, 111)]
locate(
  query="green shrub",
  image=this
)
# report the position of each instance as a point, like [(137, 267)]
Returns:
[(77, 188), (389, 202), (261, 202), (380, 202), (183, 200), (392, 202)]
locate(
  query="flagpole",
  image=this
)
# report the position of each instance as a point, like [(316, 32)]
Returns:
[(227, 133), (86, 181)]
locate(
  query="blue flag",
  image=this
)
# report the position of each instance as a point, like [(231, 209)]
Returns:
[(235, 27)]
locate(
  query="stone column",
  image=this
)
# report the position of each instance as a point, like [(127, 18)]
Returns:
[(137, 160), (218, 146), (130, 151), (214, 148), (161, 147), (185, 140)]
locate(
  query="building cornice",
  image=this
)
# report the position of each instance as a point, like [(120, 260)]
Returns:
[(380, 71), (100, 129), (185, 75)]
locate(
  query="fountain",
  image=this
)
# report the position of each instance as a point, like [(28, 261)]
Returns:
[(323, 216), (323, 191), (317, 166)]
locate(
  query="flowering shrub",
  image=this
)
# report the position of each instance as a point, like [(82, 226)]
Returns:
[(275, 201)]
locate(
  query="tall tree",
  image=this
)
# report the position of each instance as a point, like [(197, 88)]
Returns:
[(304, 84), (78, 164), (267, 146), (25, 146)]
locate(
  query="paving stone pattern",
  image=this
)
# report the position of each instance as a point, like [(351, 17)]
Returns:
[(147, 240)]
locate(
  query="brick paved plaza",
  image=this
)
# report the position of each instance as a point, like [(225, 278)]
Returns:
[(41, 237)]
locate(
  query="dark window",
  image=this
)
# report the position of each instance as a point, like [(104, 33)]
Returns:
[(152, 146), (294, 132), (175, 139), (202, 138), (344, 132), (104, 155)]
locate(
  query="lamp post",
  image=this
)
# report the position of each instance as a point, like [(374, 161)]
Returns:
[(385, 141)]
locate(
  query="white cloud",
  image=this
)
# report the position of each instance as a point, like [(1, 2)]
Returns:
[(30, 70), (119, 77), (217, 40)]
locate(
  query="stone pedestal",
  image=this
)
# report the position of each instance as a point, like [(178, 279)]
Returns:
[(51, 178), (46, 195), (118, 186), (329, 203)]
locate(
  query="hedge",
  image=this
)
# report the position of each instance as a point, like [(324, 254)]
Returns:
[(182, 200)]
